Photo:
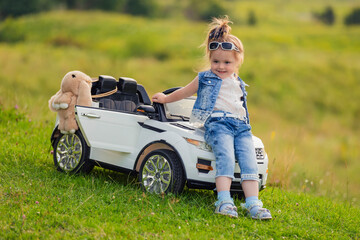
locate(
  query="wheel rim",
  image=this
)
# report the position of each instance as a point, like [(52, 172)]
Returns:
[(156, 174), (69, 152)]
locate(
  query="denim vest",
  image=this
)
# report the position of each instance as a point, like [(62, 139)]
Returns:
[(207, 93)]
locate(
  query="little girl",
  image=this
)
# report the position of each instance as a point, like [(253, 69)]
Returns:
[(221, 108)]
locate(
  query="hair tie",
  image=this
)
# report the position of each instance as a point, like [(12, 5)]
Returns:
[(217, 34), (212, 34)]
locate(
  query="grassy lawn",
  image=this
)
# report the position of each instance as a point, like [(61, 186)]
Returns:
[(36, 201)]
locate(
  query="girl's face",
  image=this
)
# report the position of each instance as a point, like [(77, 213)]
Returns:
[(223, 63)]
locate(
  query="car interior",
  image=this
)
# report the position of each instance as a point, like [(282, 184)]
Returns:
[(126, 95)]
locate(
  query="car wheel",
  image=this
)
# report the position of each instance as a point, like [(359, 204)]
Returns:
[(162, 172), (71, 153)]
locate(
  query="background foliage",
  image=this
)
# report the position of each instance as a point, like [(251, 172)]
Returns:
[(303, 101), (303, 75), (192, 9)]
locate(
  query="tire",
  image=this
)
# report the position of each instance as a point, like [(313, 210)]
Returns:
[(71, 153), (161, 172)]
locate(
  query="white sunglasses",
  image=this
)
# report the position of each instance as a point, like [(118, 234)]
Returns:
[(228, 46)]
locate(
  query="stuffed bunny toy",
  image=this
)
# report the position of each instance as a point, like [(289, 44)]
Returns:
[(75, 90)]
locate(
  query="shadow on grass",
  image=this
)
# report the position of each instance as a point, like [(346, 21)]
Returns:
[(130, 181)]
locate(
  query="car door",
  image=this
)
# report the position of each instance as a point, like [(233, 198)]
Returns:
[(111, 130)]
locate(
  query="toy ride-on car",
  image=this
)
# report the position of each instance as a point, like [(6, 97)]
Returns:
[(127, 132)]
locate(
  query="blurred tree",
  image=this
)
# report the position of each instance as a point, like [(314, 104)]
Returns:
[(353, 17), (111, 5), (204, 10), (327, 17), (71, 4), (194, 9), (140, 7), (106, 5), (252, 20), (20, 7)]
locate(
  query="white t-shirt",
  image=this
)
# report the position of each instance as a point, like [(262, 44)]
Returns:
[(229, 98)]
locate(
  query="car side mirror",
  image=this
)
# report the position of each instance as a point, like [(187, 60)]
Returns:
[(146, 109)]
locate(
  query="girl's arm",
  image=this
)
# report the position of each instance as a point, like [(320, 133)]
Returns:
[(179, 94)]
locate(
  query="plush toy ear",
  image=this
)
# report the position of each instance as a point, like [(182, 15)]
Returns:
[(84, 94)]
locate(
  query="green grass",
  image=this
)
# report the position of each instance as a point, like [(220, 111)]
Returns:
[(36, 201), (303, 93)]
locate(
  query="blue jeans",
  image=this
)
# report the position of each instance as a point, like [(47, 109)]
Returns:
[(230, 139)]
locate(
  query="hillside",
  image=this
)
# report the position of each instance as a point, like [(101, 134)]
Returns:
[(38, 202), (303, 101), (303, 78)]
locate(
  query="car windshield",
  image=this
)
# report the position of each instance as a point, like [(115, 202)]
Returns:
[(180, 110)]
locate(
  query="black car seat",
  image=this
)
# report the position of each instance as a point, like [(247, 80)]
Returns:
[(106, 84), (127, 98)]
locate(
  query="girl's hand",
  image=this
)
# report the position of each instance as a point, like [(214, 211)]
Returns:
[(159, 97), (179, 94)]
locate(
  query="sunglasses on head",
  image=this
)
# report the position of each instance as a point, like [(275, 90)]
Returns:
[(228, 46)]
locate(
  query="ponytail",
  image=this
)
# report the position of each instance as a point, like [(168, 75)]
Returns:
[(219, 31)]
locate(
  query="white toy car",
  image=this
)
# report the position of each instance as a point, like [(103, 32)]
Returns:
[(128, 133)]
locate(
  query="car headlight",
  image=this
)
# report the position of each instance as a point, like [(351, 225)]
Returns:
[(199, 144)]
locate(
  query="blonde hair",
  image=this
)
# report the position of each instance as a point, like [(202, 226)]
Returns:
[(219, 31)]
